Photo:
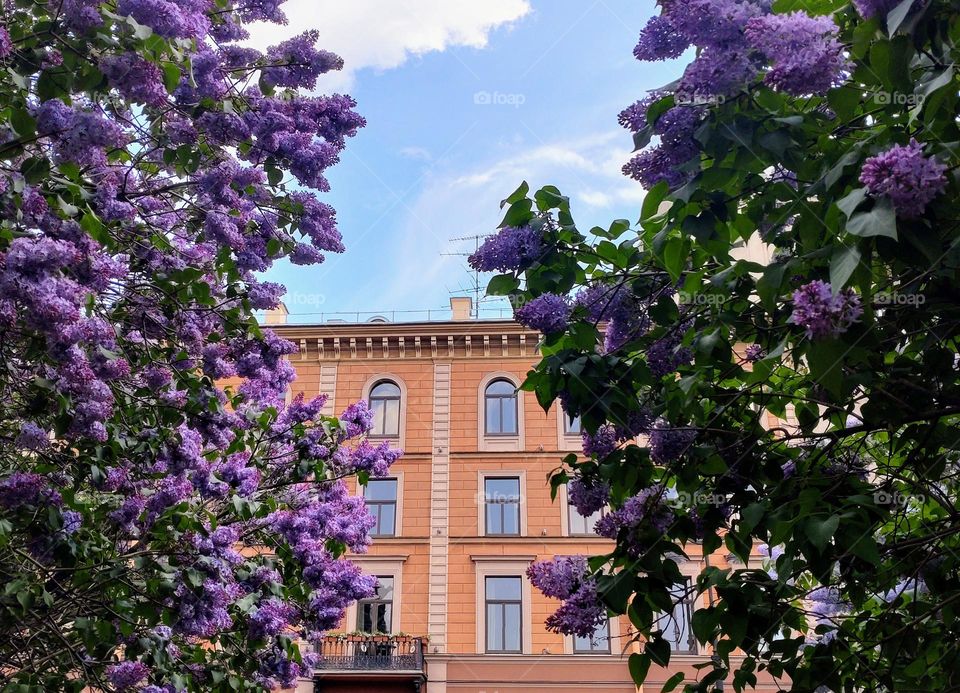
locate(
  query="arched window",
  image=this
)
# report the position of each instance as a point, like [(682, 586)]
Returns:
[(385, 405), (500, 401)]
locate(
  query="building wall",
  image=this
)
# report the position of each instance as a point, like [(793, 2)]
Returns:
[(440, 555)]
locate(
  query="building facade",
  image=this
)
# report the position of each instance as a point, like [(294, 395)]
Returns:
[(463, 514)]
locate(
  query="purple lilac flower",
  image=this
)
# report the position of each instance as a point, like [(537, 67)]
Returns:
[(271, 618), (558, 578), (277, 670), (873, 8), (181, 19), (72, 520), (32, 437), (638, 514), (820, 313), (668, 443), (297, 63), (660, 40), (513, 248), (82, 15), (127, 675), (548, 313), (6, 45), (634, 117), (25, 488), (588, 496), (909, 587), (717, 73), (357, 419), (580, 614), (904, 175), (651, 166), (665, 355), (601, 443), (135, 78), (806, 56), (754, 353)]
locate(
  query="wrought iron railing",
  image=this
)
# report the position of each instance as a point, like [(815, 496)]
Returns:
[(371, 653)]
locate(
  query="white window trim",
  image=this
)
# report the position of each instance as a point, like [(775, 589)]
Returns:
[(398, 518), (399, 441), (504, 566), (501, 443), (386, 566), (482, 475)]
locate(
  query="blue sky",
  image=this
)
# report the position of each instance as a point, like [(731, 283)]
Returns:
[(464, 100)]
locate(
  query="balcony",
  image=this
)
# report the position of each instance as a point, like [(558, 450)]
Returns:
[(395, 661)]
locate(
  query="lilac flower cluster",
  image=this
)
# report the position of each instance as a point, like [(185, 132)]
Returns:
[(588, 496), (805, 55), (6, 45), (639, 515), (668, 443), (736, 41), (512, 249), (127, 675), (667, 354), (136, 79), (754, 353), (821, 313), (874, 8), (271, 618), (904, 175), (608, 436), (548, 313), (297, 63), (567, 578)]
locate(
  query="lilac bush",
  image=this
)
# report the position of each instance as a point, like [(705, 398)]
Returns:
[(145, 438)]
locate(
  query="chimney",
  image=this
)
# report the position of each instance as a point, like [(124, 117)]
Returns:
[(277, 316), (461, 307)]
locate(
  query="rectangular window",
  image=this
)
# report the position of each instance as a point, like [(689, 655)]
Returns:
[(375, 615), (571, 425), (381, 499), (582, 526), (676, 625), (502, 505), (599, 642), (503, 606)]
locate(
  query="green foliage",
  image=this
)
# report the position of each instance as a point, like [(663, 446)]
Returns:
[(858, 507)]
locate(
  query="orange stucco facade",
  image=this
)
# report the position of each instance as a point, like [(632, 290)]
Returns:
[(440, 557)]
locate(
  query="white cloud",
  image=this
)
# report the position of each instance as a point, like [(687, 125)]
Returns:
[(383, 34), (466, 203)]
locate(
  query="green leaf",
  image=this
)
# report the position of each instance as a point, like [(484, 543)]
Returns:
[(639, 665), (653, 199), (35, 169), (896, 16), (849, 203), (879, 221), (23, 123), (844, 261), (517, 195), (502, 285), (672, 682), (821, 531)]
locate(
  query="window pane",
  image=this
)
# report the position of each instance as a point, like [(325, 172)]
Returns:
[(493, 415), (494, 525), (501, 387), (391, 418), (583, 525), (384, 618), (573, 424), (387, 520), (676, 625), (494, 627), (385, 389), (381, 490), (364, 617), (385, 588), (511, 518), (508, 414), (503, 588), (376, 406), (501, 490), (511, 619), (598, 642)]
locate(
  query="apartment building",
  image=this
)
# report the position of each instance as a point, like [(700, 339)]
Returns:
[(463, 514)]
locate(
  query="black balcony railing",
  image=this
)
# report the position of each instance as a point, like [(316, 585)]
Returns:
[(386, 654)]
